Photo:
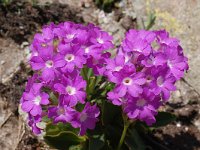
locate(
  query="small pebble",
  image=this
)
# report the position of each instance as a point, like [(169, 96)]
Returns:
[(24, 44), (178, 125), (2, 62)]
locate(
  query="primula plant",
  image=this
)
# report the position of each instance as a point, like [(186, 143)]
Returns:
[(82, 97)]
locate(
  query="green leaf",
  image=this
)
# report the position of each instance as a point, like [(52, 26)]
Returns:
[(64, 140), (110, 113), (163, 118), (46, 119), (53, 129), (151, 21), (92, 82), (96, 142), (53, 98), (62, 136), (134, 141)]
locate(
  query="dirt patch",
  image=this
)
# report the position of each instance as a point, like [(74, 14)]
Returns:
[(12, 90), (183, 134), (20, 19)]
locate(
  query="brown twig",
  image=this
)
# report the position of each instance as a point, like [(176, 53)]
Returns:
[(4, 122), (186, 82)]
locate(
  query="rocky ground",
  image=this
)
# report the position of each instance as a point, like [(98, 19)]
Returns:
[(21, 20)]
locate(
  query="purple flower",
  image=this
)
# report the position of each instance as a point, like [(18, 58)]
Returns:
[(128, 81), (102, 40), (72, 56), (143, 107), (33, 121), (30, 82), (176, 63), (33, 100), (43, 42), (72, 89), (86, 119), (71, 33), (138, 42), (61, 113), (149, 36), (47, 64), (163, 84), (114, 65), (164, 39), (156, 59), (98, 64), (117, 98)]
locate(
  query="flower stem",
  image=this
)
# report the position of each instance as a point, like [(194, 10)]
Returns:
[(126, 125), (84, 72)]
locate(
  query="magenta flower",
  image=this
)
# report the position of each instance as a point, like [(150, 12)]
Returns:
[(117, 98), (156, 59), (86, 119), (98, 64), (128, 81), (163, 84), (164, 39), (33, 100), (30, 82), (149, 36), (43, 42), (72, 89), (102, 40), (138, 42), (176, 63), (143, 107), (47, 64), (61, 113), (33, 121), (71, 32), (72, 56), (114, 65)]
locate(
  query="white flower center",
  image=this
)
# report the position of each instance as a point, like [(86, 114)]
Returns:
[(127, 58), (149, 78), (70, 36), (99, 40), (122, 99), (160, 81), (49, 63), (127, 81), (69, 57), (138, 50), (83, 117), (87, 50), (169, 64), (43, 44), (37, 100), (118, 68), (71, 90), (34, 53), (141, 102)]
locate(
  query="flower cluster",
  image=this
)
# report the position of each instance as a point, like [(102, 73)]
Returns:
[(58, 55), (144, 71)]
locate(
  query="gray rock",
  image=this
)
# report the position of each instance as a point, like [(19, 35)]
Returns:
[(11, 55)]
